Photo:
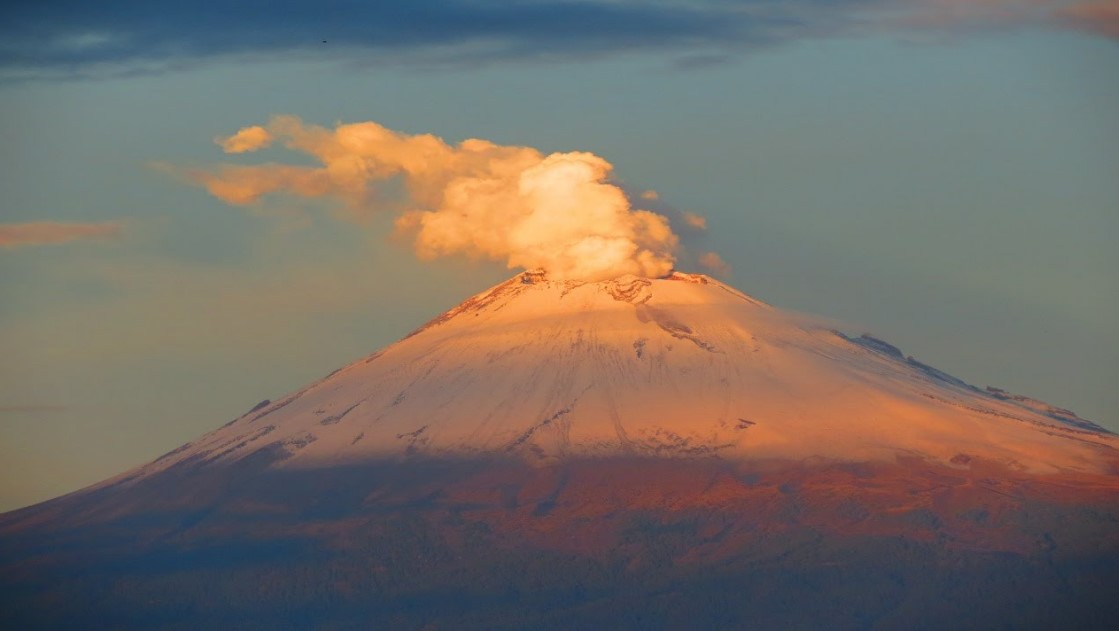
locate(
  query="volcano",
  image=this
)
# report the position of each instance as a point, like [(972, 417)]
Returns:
[(632, 453)]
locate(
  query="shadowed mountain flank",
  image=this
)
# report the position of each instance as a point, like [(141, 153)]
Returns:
[(496, 543)]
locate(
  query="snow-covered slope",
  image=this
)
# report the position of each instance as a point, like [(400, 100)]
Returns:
[(683, 366)]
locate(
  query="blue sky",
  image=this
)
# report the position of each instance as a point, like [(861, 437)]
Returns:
[(942, 177)]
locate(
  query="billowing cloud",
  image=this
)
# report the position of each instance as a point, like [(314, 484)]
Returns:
[(714, 263), (248, 139), (50, 232), (75, 37), (516, 205)]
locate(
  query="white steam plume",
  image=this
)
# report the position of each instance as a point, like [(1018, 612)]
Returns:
[(513, 204)]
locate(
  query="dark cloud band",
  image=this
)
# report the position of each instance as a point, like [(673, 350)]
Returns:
[(76, 36)]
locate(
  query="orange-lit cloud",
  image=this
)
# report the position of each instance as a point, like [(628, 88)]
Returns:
[(244, 185), (248, 139), (714, 263), (699, 222), (1100, 17), (512, 204), (49, 232), (650, 195)]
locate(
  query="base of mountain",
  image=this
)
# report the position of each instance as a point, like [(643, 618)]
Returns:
[(621, 543)]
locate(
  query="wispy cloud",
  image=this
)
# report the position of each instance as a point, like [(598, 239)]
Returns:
[(694, 220), (247, 139), (714, 263), (14, 235), (1099, 16), (74, 37)]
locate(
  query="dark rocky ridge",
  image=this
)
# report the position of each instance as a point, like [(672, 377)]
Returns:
[(1065, 416)]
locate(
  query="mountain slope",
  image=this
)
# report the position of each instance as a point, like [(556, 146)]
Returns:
[(635, 453), (684, 366)]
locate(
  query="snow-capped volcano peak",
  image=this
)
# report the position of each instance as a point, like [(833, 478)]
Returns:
[(680, 366)]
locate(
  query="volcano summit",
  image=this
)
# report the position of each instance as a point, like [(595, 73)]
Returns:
[(684, 366), (628, 453)]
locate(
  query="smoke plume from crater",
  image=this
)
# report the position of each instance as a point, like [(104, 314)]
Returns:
[(559, 212)]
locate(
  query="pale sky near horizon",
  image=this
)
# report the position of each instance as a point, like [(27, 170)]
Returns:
[(949, 184)]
